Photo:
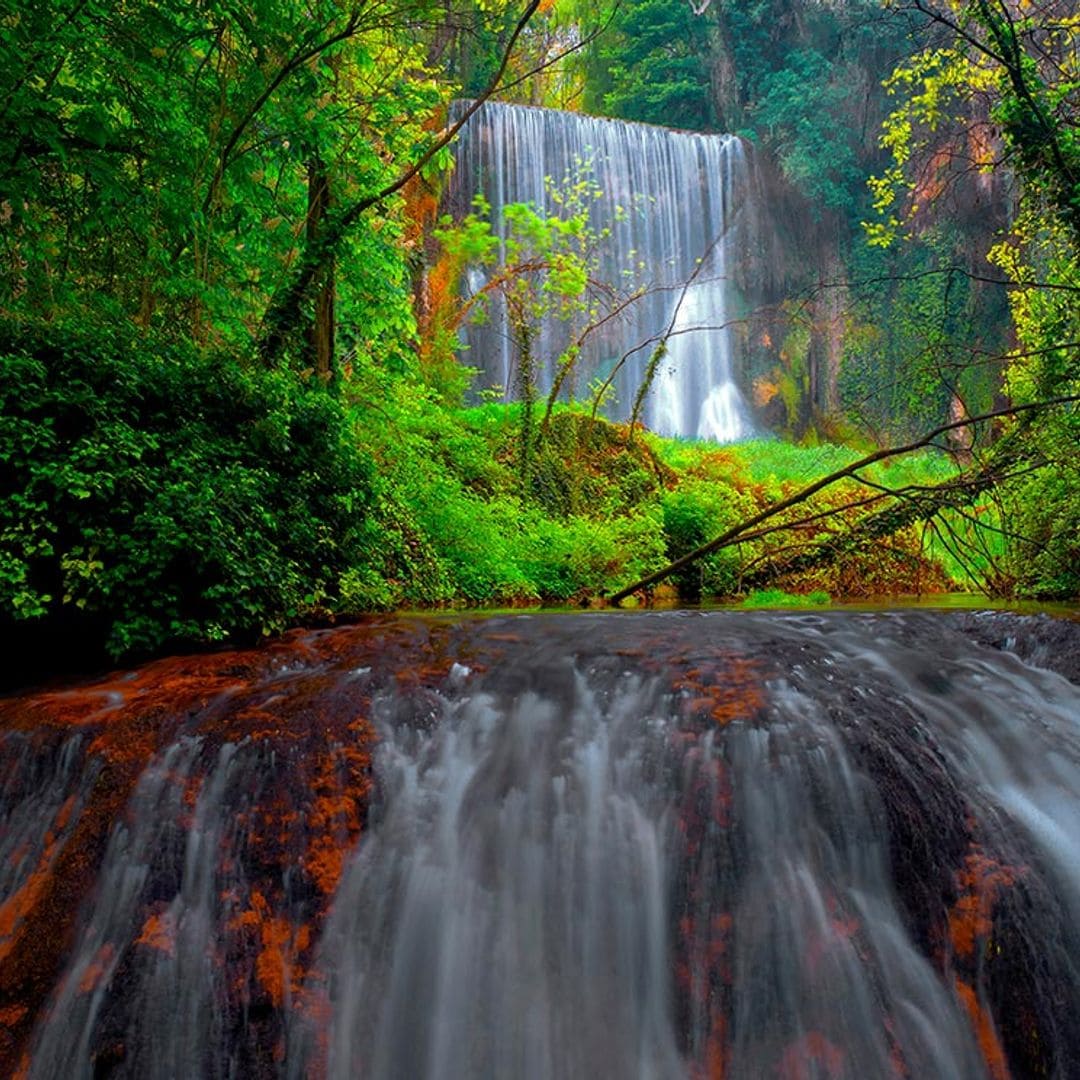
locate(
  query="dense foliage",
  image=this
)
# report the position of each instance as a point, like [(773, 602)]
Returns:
[(151, 494), (228, 395), (1017, 72), (159, 159)]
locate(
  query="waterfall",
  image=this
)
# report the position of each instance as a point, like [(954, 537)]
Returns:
[(676, 204), (655, 845)]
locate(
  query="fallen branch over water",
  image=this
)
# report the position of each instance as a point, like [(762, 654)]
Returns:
[(886, 521)]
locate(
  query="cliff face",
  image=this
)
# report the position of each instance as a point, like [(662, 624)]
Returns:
[(840, 334)]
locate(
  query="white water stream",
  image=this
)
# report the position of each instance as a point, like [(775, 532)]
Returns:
[(600, 846)]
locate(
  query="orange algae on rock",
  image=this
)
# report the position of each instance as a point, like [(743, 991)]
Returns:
[(98, 969), (980, 883), (159, 932), (266, 698), (714, 973), (971, 917), (43, 913), (12, 1014), (20, 905), (983, 1023), (715, 1065), (702, 960), (279, 946), (342, 788), (725, 688)]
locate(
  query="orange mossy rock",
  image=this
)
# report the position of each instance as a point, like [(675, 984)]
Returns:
[(726, 688), (99, 969), (273, 704), (985, 1031), (980, 882), (12, 1015), (342, 788), (280, 944), (21, 903), (715, 689), (231, 809), (159, 932)]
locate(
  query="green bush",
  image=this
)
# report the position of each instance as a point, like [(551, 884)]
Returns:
[(568, 559), (694, 513), (474, 540), (151, 495)]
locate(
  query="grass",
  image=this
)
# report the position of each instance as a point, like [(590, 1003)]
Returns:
[(777, 598)]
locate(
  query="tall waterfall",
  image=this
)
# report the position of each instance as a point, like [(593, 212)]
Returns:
[(676, 207)]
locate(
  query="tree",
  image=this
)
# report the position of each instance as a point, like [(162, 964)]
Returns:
[(285, 310), (653, 65), (199, 168), (543, 269), (1022, 62), (1023, 67)]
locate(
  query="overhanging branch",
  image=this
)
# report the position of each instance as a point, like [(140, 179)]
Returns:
[(738, 532)]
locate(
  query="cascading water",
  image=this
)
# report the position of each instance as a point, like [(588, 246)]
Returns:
[(670, 845), (676, 205)]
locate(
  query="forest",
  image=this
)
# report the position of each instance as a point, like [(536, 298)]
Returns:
[(235, 291)]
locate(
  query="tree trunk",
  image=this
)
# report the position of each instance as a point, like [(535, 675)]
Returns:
[(322, 327)]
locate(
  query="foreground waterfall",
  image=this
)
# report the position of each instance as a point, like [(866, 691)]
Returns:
[(671, 200), (624, 845)]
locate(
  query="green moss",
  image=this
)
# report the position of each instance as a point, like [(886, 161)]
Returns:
[(777, 598)]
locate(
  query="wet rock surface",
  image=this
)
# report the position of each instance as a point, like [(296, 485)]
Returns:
[(644, 844), (1042, 640)]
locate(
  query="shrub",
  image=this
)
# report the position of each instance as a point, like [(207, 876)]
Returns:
[(694, 513), (568, 559), (151, 495)]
